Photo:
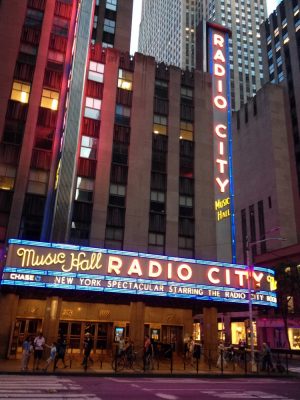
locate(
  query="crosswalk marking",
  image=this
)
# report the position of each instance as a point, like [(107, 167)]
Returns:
[(41, 388), (247, 394)]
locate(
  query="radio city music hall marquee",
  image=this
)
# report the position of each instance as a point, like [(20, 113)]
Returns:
[(219, 68), (48, 265)]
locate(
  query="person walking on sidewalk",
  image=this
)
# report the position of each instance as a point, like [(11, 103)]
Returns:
[(27, 350), (267, 364), (60, 351), (38, 344), (51, 358), (87, 346)]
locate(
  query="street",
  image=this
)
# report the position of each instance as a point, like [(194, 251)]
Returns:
[(116, 388)]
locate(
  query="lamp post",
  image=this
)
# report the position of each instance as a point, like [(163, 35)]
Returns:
[(250, 268)]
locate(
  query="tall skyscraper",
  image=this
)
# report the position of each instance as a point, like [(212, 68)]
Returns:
[(168, 32), (281, 55), (243, 18)]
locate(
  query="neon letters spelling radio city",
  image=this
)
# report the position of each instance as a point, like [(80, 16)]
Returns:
[(136, 267), (220, 102)]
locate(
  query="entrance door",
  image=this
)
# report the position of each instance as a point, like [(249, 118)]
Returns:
[(173, 335), (74, 331), (20, 331)]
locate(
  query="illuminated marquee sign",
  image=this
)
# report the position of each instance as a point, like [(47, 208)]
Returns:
[(220, 72), (49, 265)]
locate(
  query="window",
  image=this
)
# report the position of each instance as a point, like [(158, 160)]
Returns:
[(49, 99), (109, 25), (111, 4), (37, 182), (125, 79), (20, 92), (186, 92), (122, 115), (117, 195), (157, 203), (186, 130), (7, 177), (92, 108), (156, 239), (96, 71), (88, 147), (114, 233), (118, 190), (186, 201), (158, 196), (84, 189), (160, 124), (185, 242)]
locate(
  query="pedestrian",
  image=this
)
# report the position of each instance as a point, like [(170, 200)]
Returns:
[(51, 358), (190, 349), (266, 358), (38, 344), (87, 346), (129, 348), (221, 363), (61, 351), (147, 351), (121, 346), (27, 350)]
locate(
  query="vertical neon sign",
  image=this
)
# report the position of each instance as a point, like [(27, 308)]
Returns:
[(219, 67)]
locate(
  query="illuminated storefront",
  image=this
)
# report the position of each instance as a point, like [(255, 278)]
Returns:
[(83, 272)]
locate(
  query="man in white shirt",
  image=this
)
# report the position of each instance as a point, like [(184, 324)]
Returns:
[(38, 344)]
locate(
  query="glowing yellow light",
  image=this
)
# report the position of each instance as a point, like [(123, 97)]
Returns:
[(54, 104), (24, 97)]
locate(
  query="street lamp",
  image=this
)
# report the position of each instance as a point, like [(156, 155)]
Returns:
[(250, 268)]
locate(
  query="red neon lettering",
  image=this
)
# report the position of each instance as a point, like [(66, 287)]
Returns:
[(241, 275), (220, 86), (221, 163), (152, 266), (218, 131), (220, 102), (211, 271), (221, 148), (169, 270), (219, 70), (222, 184), (219, 56), (188, 272), (227, 276), (135, 268), (114, 265), (218, 40)]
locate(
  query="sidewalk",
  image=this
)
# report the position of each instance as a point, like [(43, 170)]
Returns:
[(104, 368)]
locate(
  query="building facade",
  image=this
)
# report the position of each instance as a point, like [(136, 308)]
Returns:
[(267, 206), (114, 157)]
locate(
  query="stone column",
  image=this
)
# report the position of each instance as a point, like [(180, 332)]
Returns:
[(210, 332), (137, 321), (227, 327), (51, 319), (8, 306)]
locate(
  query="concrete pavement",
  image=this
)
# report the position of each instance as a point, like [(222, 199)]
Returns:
[(103, 366)]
